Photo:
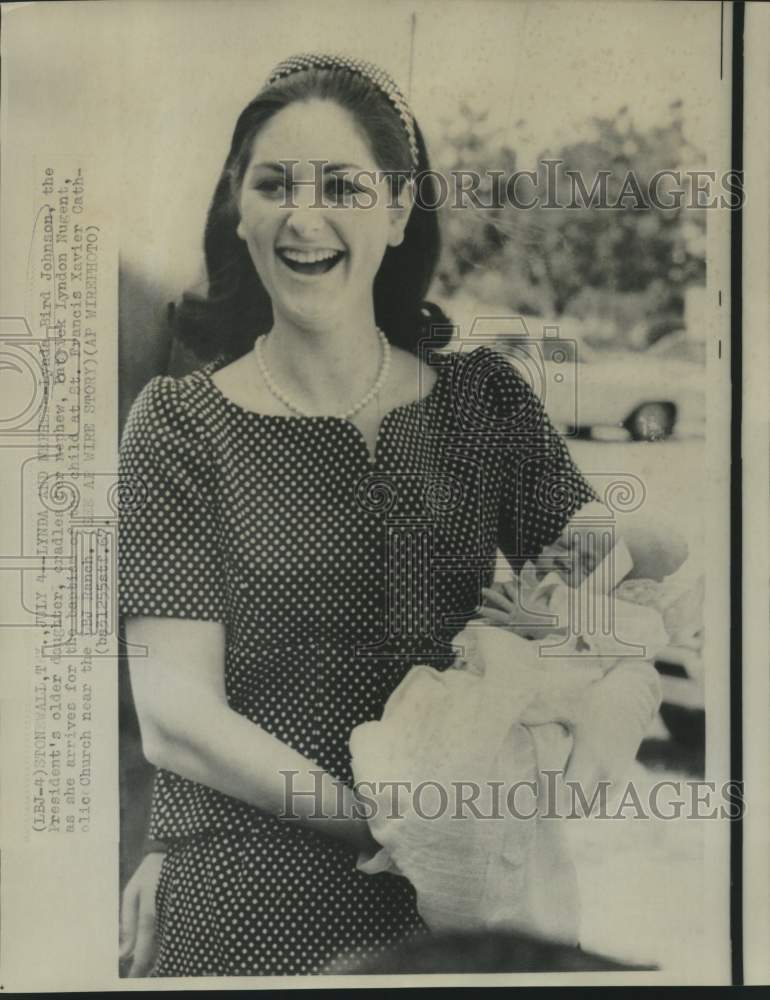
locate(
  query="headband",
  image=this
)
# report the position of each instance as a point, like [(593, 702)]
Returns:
[(374, 74)]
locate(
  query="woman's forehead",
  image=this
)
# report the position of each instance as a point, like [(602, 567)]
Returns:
[(316, 129)]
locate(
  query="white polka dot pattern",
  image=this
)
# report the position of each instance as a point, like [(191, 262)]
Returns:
[(333, 574)]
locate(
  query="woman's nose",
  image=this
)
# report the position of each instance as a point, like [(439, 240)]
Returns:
[(305, 221)]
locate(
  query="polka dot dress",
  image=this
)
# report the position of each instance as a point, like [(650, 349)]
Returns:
[(333, 572)]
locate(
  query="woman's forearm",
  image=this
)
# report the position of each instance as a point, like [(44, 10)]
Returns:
[(198, 736)]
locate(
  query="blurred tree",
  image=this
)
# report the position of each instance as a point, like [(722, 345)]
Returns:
[(626, 264)]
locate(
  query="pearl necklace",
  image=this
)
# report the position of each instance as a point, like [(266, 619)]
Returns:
[(281, 396)]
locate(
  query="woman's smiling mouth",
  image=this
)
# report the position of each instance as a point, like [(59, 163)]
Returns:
[(310, 261)]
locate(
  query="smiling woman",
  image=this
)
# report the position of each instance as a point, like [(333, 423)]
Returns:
[(325, 498), (294, 241), (319, 135)]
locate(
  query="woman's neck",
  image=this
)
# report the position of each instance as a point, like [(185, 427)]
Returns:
[(324, 370)]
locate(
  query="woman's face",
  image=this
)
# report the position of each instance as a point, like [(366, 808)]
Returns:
[(317, 258)]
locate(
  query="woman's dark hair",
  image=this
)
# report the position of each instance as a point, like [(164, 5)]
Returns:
[(237, 308)]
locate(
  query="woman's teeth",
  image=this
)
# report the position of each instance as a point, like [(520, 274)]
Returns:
[(309, 256), (310, 261)]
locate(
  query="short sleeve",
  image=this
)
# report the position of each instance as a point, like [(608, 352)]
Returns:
[(542, 486), (170, 559)]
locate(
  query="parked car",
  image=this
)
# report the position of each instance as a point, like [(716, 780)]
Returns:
[(644, 393)]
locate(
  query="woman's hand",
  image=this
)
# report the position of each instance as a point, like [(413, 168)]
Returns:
[(502, 606), (137, 916)]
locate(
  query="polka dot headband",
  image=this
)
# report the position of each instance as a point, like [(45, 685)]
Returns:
[(374, 74)]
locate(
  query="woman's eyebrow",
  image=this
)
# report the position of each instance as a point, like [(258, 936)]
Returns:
[(331, 167), (278, 168), (281, 168)]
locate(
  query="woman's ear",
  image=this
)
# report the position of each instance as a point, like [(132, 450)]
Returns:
[(400, 211), (240, 230)]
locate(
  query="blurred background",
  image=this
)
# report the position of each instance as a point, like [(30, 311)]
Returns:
[(496, 86)]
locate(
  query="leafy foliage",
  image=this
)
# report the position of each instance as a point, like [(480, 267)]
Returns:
[(621, 265)]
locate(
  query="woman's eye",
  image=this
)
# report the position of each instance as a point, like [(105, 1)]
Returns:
[(340, 188), (337, 189), (271, 186)]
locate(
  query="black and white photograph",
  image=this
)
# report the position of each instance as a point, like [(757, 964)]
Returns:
[(371, 423)]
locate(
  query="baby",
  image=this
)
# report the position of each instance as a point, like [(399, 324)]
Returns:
[(483, 743)]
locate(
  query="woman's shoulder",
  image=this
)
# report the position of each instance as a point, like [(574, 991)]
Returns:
[(499, 383), (174, 399), (492, 362), (171, 411)]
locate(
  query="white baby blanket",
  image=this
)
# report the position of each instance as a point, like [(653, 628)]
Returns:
[(462, 741)]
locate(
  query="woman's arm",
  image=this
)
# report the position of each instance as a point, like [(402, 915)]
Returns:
[(188, 727)]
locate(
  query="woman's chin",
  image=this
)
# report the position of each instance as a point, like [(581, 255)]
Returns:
[(319, 318), (318, 312)]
